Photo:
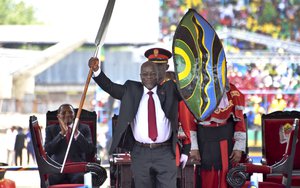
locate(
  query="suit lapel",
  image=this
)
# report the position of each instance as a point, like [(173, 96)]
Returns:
[(140, 92), (161, 94)]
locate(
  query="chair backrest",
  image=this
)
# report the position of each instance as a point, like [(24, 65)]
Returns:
[(272, 124), (290, 153), (37, 141), (86, 117)]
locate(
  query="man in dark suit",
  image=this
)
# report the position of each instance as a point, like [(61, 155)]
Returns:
[(56, 142), (153, 158), (19, 146), (184, 145)]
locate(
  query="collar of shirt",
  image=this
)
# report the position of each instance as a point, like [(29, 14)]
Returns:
[(147, 90), (71, 125)]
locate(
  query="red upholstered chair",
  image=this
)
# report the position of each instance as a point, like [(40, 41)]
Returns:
[(272, 148), (237, 176), (47, 166)]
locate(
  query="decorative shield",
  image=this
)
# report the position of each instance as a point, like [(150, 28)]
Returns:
[(200, 64)]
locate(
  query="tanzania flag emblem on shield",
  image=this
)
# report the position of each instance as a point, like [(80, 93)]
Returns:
[(200, 64)]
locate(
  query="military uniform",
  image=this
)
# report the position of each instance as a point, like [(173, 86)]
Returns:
[(218, 135)]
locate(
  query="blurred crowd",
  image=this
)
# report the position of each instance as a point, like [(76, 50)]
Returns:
[(277, 18), (17, 140), (268, 76)]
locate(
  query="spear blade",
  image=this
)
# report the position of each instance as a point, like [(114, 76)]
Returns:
[(104, 25)]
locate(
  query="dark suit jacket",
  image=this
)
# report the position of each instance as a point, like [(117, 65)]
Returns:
[(130, 94), (20, 141), (56, 144)]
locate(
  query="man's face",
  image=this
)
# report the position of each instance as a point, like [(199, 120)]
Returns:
[(149, 75), (161, 68), (67, 114)]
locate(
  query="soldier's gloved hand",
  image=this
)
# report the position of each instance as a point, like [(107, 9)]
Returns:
[(183, 160)]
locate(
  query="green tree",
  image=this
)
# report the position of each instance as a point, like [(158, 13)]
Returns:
[(16, 13)]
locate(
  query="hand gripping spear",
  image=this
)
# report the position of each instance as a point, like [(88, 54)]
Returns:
[(98, 42)]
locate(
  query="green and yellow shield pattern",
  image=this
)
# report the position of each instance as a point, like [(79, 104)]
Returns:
[(200, 64)]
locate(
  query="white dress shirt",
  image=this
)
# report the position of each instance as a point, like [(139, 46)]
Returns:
[(139, 125)]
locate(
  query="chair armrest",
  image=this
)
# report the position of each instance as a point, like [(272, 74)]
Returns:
[(237, 176), (75, 167), (99, 174), (252, 168)]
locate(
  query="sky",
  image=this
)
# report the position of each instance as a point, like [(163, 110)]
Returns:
[(61, 12), (132, 20)]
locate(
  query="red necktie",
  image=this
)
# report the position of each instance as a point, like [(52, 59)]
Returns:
[(152, 129), (68, 135)]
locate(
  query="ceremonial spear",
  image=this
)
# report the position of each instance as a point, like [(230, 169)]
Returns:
[(98, 42)]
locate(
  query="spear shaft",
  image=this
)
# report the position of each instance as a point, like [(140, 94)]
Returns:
[(99, 40)]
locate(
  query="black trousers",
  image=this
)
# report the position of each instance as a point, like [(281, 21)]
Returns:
[(153, 168), (18, 155)]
